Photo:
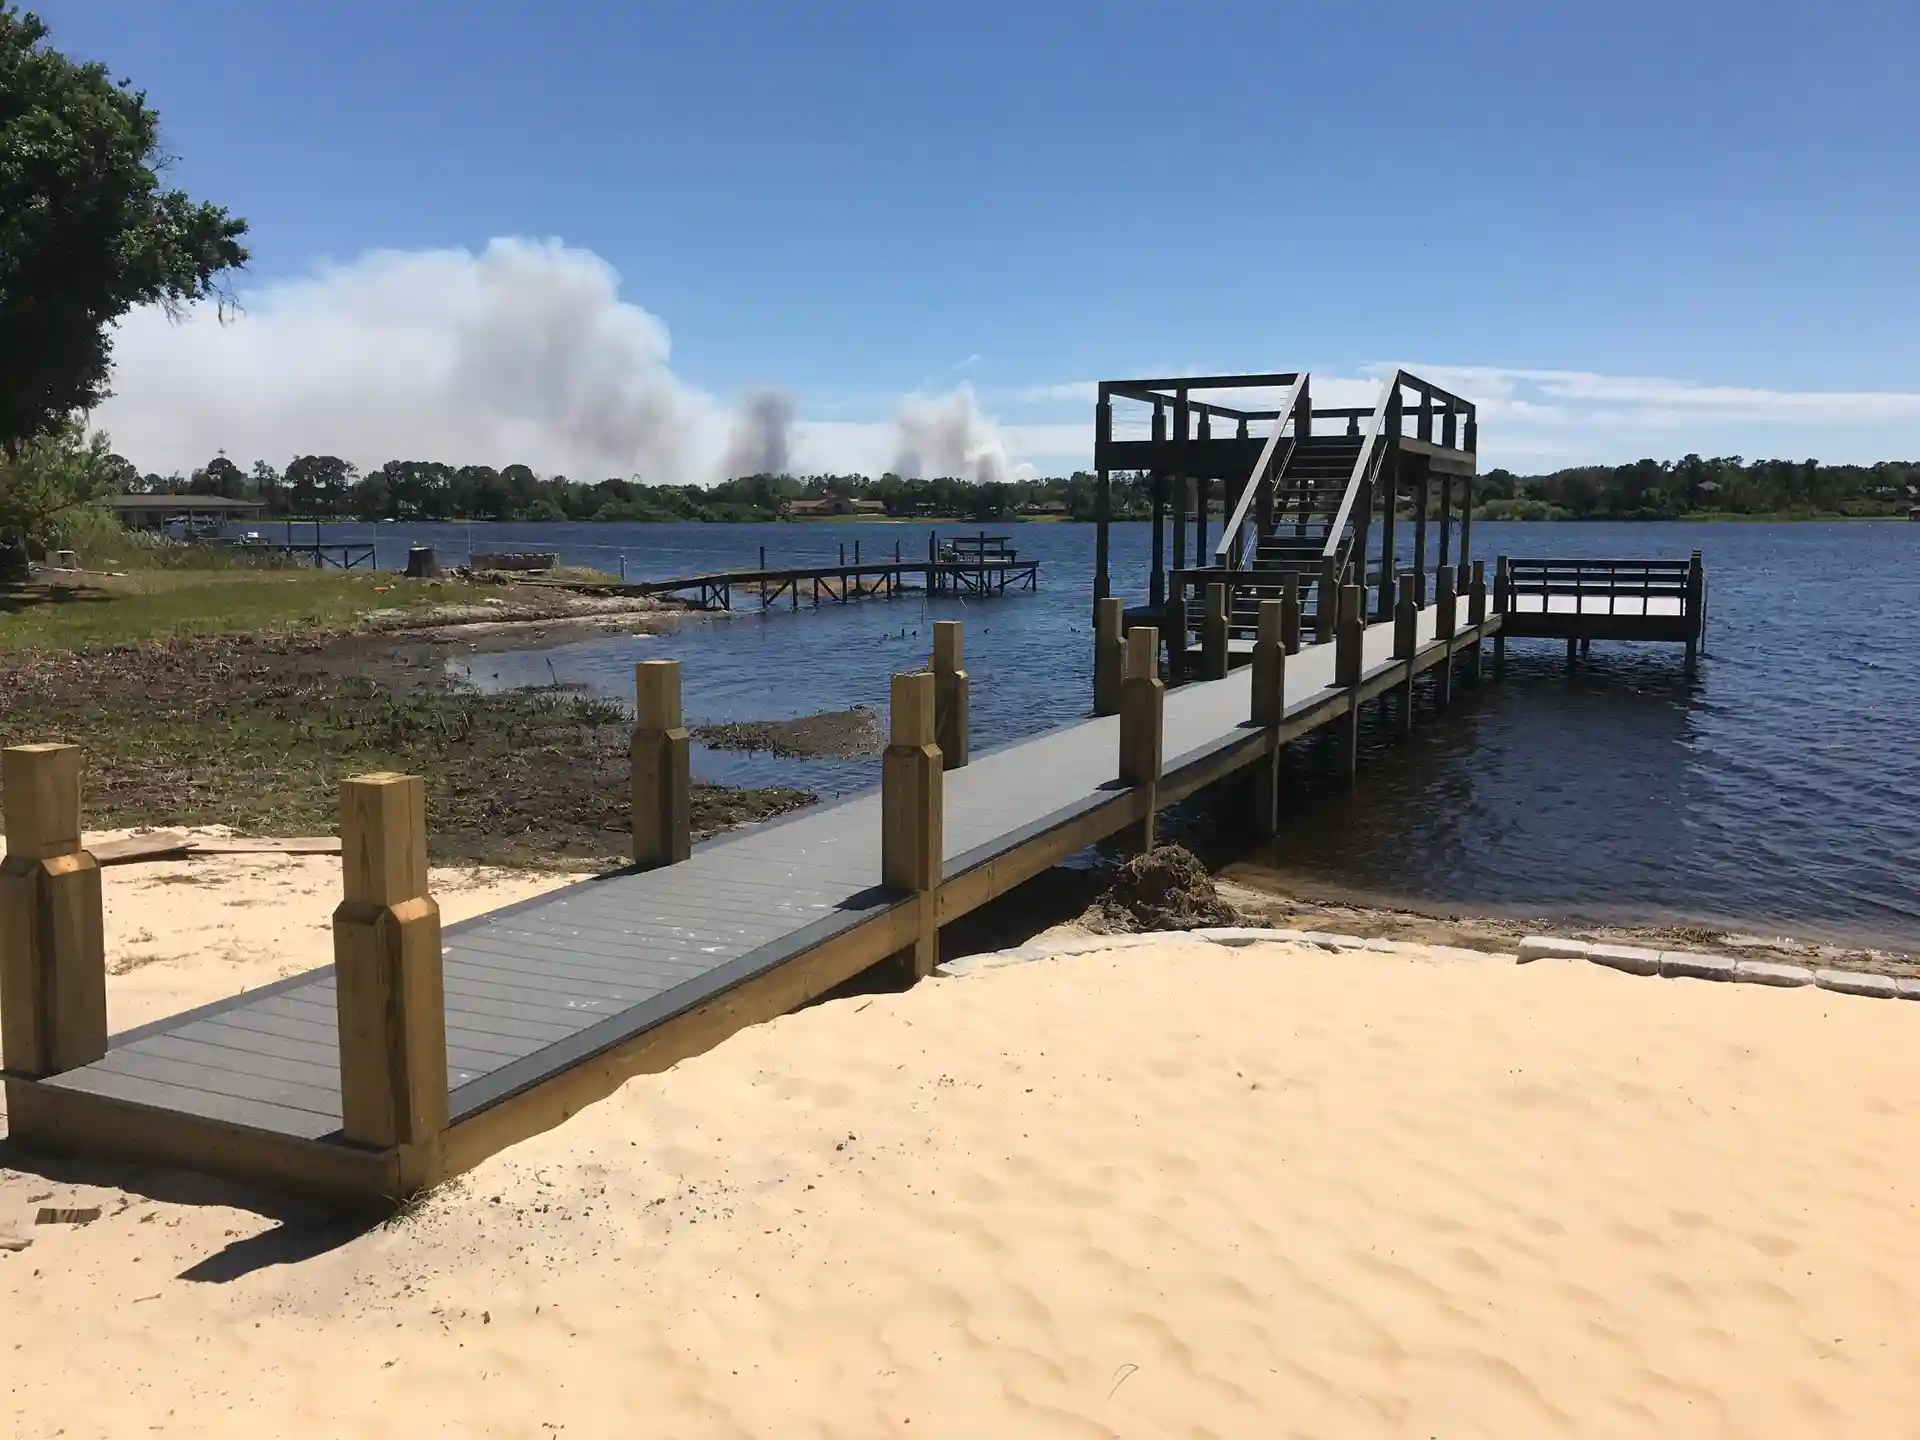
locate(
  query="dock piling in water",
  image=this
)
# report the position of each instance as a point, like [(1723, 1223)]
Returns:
[(1109, 654), (53, 970)]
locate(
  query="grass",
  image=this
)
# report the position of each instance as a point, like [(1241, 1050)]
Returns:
[(158, 604)]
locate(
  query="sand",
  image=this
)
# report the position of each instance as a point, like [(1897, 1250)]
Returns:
[(1168, 1190)]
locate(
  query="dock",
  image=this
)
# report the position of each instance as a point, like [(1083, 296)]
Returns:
[(419, 1053)]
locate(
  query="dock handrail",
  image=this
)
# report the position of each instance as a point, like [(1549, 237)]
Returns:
[(1384, 429), (1237, 538)]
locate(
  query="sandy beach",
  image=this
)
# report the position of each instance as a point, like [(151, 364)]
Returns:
[(1172, 1189)]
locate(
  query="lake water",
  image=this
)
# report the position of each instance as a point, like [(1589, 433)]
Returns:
[(1780, 790)]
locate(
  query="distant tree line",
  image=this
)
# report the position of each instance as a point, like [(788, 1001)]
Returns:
[(1723, 485), (327, 487)]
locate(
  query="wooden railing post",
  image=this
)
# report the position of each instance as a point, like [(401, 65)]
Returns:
[(1269, 707), (950, 691), (1142, 718), (912, 814), (1213, 634), (1327, 604), (53, 963), (659, 755), (1269, 666), (1109, 655), (386, 957), (1290, 613), (1477, 593), (1348, 653)]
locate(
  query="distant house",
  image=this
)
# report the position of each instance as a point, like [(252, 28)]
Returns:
[(1045, 507), (835, 505), (153, 512)]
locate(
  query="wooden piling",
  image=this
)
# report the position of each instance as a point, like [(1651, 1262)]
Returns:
[(1406, 643), (1213, 635), (1694, 607), (1502, 602), (660, 759), (53, 968), (1348, 654), (1176, 634), (1327, 604), (912, 814), (1477, 593), (1142, 718), (390, 1000), (1290, 613), (950, 719), (1109, 655), (1269, 677), (1446, 616)]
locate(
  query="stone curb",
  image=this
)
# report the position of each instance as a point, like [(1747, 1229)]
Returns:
[(1631, 959)]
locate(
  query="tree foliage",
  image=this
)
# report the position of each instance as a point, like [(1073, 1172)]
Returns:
[(87, 231), (47, 480)]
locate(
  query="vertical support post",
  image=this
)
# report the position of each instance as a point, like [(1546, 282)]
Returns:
[(53, 963), (1213, 634), (1502, 602), (1466, 519), (1423, 475), (1446, 521), (912, 815), (1142, 716), (1157, 582), (1202, 484), (1695, 608), (1389, 505), (1477, 593), (390, 1001), (1406, 644), (1446, 614), (1109, 656), (1176, 633), (1290, 612), (950, 721), (1103, 497), (1269, 676), (1180, 424), (1349, 642), (1327, 602), (660, 764)]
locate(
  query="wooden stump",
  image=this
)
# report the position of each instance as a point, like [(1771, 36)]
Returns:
[(53, 968), (1109, 655), (950, 720), (1142, 719), (386, 957), (912, 816), (660, 761), (1213, 635)]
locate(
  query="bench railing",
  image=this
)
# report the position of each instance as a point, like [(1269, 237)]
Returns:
[(1598, 586)]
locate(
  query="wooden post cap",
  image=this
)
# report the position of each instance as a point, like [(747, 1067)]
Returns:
[(383, 838), (1270, 629), (1408, 595), (910, 721), (1143, 647), (656, 694), (948, 651), (40, 790), (1216, 601), (1107, 614)]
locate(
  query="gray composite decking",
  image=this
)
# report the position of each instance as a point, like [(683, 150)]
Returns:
[(538, 987)]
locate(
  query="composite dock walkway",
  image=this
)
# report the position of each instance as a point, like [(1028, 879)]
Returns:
[(551, 1003)]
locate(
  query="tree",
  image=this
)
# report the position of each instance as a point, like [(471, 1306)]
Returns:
[(86, 231), (45, 482), (319, 485)]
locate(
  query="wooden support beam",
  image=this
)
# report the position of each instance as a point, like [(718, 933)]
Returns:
[(951, 725), (1176, 634), (1142, 721), (1269, 677), (386, 955), (53, 967), (1502, 601), (912, 814), (1327, 603), (1406, 643), (1445, 618), (1290, 613), (660, 767), (1109, 655), (1349, 641), (1213, 635)]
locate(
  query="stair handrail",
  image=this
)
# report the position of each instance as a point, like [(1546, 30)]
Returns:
[(1231, 551), (1371, 451)]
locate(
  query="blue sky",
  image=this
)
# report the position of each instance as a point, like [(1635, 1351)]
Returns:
[(1624, 227)]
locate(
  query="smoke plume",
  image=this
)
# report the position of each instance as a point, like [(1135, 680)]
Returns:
[(947, 435), (762, 439)]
